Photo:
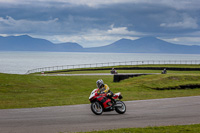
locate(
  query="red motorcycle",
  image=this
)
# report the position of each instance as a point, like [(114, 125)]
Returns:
[(101, 103)]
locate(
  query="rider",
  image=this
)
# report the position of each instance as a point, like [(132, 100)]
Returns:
[(103, 88)]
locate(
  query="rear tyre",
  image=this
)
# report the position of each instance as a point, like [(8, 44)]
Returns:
[(122, 109), (96, 108)]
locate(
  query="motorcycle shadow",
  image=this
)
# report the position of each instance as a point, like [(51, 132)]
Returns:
[(110, 114)]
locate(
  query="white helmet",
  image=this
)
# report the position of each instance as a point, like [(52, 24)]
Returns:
[(99, 83)]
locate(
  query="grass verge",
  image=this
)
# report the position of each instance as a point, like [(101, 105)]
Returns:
[(163, 129)]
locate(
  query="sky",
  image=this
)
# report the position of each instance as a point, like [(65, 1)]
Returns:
[(93, 23)]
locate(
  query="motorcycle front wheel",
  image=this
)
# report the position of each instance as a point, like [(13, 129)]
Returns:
[(120, 108), (96, 108)]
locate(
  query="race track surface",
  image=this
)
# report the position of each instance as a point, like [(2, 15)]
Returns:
[(141, 113)]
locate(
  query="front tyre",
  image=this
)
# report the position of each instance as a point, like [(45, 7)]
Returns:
[(120, 107), (96, 108)]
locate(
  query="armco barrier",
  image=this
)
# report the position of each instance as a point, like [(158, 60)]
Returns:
[(119, 77), (125, 63)]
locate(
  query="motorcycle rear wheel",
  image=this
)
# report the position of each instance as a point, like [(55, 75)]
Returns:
[(96, 108), (122, 109)]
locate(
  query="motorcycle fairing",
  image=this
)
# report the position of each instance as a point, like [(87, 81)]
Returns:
[(116, 95)]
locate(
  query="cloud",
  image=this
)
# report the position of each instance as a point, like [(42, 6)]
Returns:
[(10, 25), (121, 31), (183, 4), (179, 5), (95, 37), (187, 23), (7, 1), (99, 22), (89, 3), (184, 40)]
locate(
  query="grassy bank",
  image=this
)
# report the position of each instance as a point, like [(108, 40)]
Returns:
[(163, 129), (25, 91)]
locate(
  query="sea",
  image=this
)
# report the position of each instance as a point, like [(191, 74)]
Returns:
[(21, 62)]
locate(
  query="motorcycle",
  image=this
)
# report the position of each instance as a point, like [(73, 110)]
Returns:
[(100, 103)]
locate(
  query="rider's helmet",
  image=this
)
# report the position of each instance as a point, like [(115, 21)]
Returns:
[(100, 83)]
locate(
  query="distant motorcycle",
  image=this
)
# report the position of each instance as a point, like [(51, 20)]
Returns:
[(100, 103)]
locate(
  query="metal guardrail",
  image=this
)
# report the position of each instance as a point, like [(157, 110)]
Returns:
[(94, 65)]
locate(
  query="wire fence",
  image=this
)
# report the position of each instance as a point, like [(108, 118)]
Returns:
[(125, 63)]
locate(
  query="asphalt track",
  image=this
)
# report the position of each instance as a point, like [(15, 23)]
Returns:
[(91, 74), (141, 113)]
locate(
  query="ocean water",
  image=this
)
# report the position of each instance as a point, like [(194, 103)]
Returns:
[(21, 62)]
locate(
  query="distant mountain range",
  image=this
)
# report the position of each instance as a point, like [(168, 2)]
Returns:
[(27, 43), (147, 45), (142, 45)]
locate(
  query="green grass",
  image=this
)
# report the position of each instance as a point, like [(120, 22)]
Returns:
[(143, 87), (163, 129), (26, 91)]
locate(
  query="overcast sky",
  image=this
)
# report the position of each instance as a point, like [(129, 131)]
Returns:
[(100, 22)]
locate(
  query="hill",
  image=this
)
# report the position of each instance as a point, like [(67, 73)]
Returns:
[(27, 43), (146, 45), (142, 45)]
